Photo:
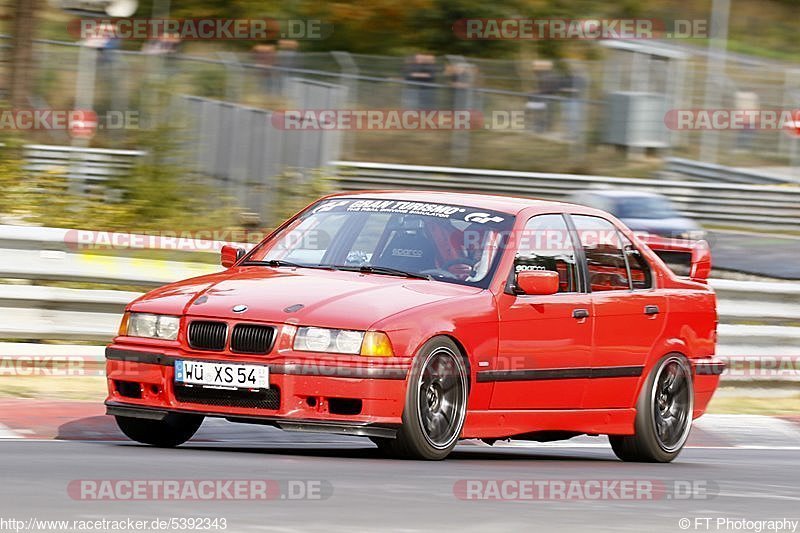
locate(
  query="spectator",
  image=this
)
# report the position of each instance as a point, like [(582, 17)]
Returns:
[(572, 114), (541, 103), (420, 69), (165, 45), (746, 101), (461, 77), (264, 57), (286, 59)]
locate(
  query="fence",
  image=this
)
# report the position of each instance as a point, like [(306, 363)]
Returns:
[(241, 149), (563, 122)]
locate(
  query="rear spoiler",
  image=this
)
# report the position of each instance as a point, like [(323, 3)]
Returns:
[(686, 258)]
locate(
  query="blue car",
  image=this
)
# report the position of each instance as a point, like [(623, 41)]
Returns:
[(642, 212)]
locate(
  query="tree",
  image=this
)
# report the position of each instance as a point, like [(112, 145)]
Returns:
[(22, 67)]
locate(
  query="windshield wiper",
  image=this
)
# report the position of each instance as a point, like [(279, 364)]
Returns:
[(281, 263), (369, 269)]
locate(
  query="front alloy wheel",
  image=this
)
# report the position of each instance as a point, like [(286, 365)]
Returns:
[(436, 404)]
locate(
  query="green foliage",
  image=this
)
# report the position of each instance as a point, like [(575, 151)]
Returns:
[(209, 82), (159, 194), (162, 193), (294, 191)]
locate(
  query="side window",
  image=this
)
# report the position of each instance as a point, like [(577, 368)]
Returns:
[(641, 276), (546, 244), (603, 247)]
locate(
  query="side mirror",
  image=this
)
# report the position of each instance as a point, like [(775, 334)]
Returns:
[(229, 255), (701, 261), (537, 282)]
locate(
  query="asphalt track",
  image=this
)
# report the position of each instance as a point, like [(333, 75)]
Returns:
[(771, 256), (368, 493)]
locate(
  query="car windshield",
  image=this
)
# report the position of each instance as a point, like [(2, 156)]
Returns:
[(653, 207), (449, 243)]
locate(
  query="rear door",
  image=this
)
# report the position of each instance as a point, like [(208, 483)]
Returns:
[(545, 341), (629, 312)]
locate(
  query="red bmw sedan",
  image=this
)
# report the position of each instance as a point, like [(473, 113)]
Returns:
[(420, 318)]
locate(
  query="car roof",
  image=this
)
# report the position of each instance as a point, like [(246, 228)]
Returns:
[(494, 202)]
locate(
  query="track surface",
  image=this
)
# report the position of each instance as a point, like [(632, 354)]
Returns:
[(763, 255), (371, 493)]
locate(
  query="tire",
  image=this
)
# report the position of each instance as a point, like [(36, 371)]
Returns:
[(172, 431), (436, 404), (663, 414), (383, 444)]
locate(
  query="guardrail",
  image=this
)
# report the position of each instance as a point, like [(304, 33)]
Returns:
[(758, 319), (700, 170), (86, 168), (754, 206), (71, 240)]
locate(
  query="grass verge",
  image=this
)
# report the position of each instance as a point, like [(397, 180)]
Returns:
[(748, 403), (54, 387)]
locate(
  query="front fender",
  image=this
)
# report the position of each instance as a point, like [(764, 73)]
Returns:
[(471, 324)]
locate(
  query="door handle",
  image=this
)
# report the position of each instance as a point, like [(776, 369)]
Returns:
[(651, 310), (580, 313)]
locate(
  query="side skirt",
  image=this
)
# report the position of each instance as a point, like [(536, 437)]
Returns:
[(499, 424)]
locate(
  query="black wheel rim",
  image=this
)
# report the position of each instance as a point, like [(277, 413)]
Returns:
[(442, 398), (672, 404)]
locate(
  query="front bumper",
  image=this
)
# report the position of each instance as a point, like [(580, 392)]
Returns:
[(306, 394)]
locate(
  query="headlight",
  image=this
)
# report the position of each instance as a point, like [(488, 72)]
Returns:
[(328, 340), (368, 344), (151, 326)]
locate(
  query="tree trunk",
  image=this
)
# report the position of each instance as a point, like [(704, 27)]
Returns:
[(22, 67)]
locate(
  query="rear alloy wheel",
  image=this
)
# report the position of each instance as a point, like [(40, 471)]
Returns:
[(664, 414), (173, 430), (436, 404)]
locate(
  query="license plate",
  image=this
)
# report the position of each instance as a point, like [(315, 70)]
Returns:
[(222, 375)]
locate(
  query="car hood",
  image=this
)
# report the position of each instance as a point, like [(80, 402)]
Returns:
[(346, 300)]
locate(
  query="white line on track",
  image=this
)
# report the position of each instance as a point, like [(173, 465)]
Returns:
[(7, 433), (510, 445)]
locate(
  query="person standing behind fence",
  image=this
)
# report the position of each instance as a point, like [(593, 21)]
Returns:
[(166, 46), (746, 101), (572, 106), (286, 60), (421, 69), (264, 58), (461, 77), (541, 103)]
